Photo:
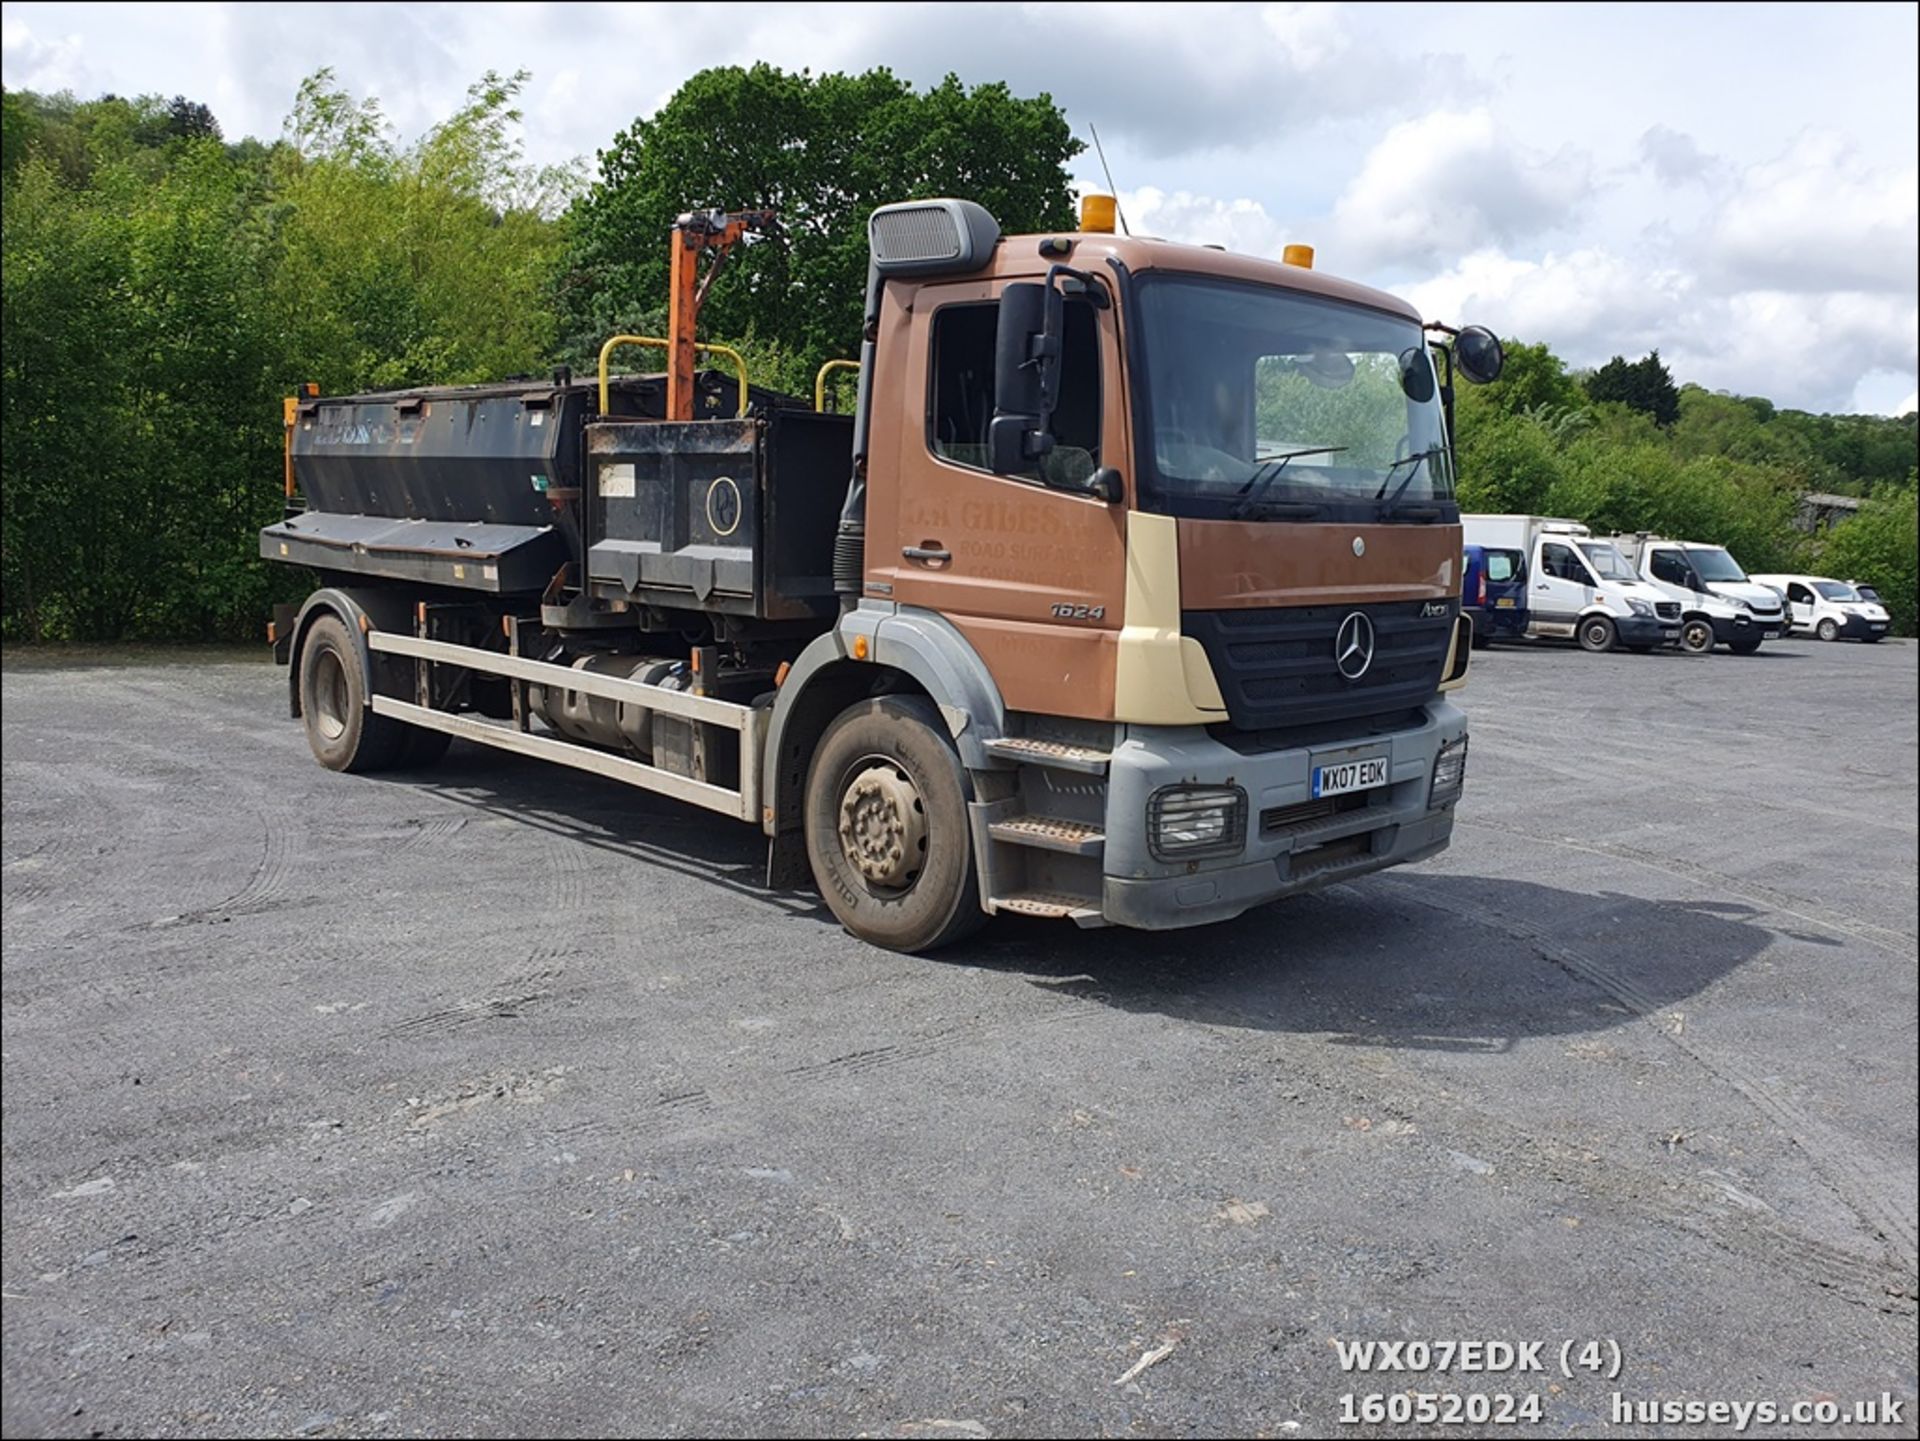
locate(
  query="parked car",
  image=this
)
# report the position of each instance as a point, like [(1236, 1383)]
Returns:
[(1493, 592), (1830, 609), (1578, 588), (1720, 603)]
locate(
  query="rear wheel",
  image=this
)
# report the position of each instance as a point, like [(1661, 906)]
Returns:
[(1744, 647), (1597, 633), (344, 734), (1827, 630), (887, 831)]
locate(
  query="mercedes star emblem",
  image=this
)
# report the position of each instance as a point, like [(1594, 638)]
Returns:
[(1359, 546), (1353, 645)]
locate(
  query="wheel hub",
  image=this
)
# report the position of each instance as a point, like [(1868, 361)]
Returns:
[(883, 826)]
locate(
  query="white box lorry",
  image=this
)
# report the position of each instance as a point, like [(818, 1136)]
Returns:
[(1579, 588), (1720, 604)]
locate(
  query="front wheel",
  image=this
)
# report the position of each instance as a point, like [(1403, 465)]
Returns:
[(1696, 637), (1827, 630), (887, 832), (1597, 633)]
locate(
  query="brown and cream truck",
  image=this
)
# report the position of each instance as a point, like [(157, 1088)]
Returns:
[(1138, 606)]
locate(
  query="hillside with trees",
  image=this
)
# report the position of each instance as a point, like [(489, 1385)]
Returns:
[(165, 287)]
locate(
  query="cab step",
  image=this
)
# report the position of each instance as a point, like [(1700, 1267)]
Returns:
[(1025, 751), (1073, 838), (1053, 905)]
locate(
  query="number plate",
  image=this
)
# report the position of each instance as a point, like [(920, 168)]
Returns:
[(1505, 602), (1349, 776)]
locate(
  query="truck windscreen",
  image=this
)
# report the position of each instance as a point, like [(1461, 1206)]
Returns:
[(1272, 404), (1715, 565)]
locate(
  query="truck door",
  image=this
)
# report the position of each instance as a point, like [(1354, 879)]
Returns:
[(1032, 574), (1675, 574), (1800, 605), (1562, 588)]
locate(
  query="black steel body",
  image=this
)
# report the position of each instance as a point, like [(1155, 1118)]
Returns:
[(487, 488), (734, 517)]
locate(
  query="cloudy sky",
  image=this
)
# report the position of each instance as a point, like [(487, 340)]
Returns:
[(1732, 184)]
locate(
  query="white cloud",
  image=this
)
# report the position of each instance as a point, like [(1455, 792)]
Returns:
[(1820, 218), (33, 63), (1675, 158), (1240, 225), (1588, 304), (1454, 181)]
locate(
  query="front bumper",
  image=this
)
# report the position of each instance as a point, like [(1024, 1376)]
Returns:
[(1647, 630), (1288, 851), (1858, 627), (1747, 628)]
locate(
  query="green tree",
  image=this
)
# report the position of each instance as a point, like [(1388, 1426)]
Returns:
[(821, 151), (1644, 385), (162, 291), (1880, 547)]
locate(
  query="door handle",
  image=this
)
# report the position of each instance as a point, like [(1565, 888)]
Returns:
[(926, 552)]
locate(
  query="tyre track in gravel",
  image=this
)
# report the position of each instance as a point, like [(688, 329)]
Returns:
[(1899, 944), (1832, 1158)]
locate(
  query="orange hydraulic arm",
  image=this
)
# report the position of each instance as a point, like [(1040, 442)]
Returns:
[(694, 233)]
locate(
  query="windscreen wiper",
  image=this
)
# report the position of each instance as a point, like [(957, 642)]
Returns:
[(1430, 453), (1267, 472)]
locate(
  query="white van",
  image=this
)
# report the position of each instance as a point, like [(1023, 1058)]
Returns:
[(1830, 609), (1720, 604), (1579, 588)]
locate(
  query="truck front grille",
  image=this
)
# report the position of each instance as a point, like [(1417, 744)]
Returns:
[(1667, 609), (1277, 668)]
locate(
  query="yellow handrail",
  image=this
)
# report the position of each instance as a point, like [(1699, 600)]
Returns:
[(739, 362), (820, 380)]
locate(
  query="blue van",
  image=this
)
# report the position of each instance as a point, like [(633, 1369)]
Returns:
[(1494, 592)]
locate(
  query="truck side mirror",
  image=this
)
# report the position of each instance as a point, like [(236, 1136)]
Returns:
[(1480, 355), (1026, 376)]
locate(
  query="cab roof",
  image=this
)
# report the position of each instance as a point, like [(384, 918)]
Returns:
[(1141, 254)]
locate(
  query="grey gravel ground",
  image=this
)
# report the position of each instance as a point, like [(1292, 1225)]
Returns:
[(488, 1100)]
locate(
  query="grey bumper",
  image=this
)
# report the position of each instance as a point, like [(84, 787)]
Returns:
[(1284, 854), (1646, 630)]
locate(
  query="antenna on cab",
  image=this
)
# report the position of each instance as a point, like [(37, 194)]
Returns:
[(1097, 150)]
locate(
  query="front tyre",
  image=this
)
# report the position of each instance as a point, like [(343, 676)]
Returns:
[(887, 830), (1597, 633), (1828, 630), (1696, 636)]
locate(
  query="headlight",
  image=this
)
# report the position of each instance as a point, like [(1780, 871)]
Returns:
[(1187, 822), (1450, 771), (1736, 602), (1639, 607)]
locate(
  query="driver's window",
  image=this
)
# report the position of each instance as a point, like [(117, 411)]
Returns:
[(1799, 595), (1669, 567), (1561, 563), (962, 377)]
